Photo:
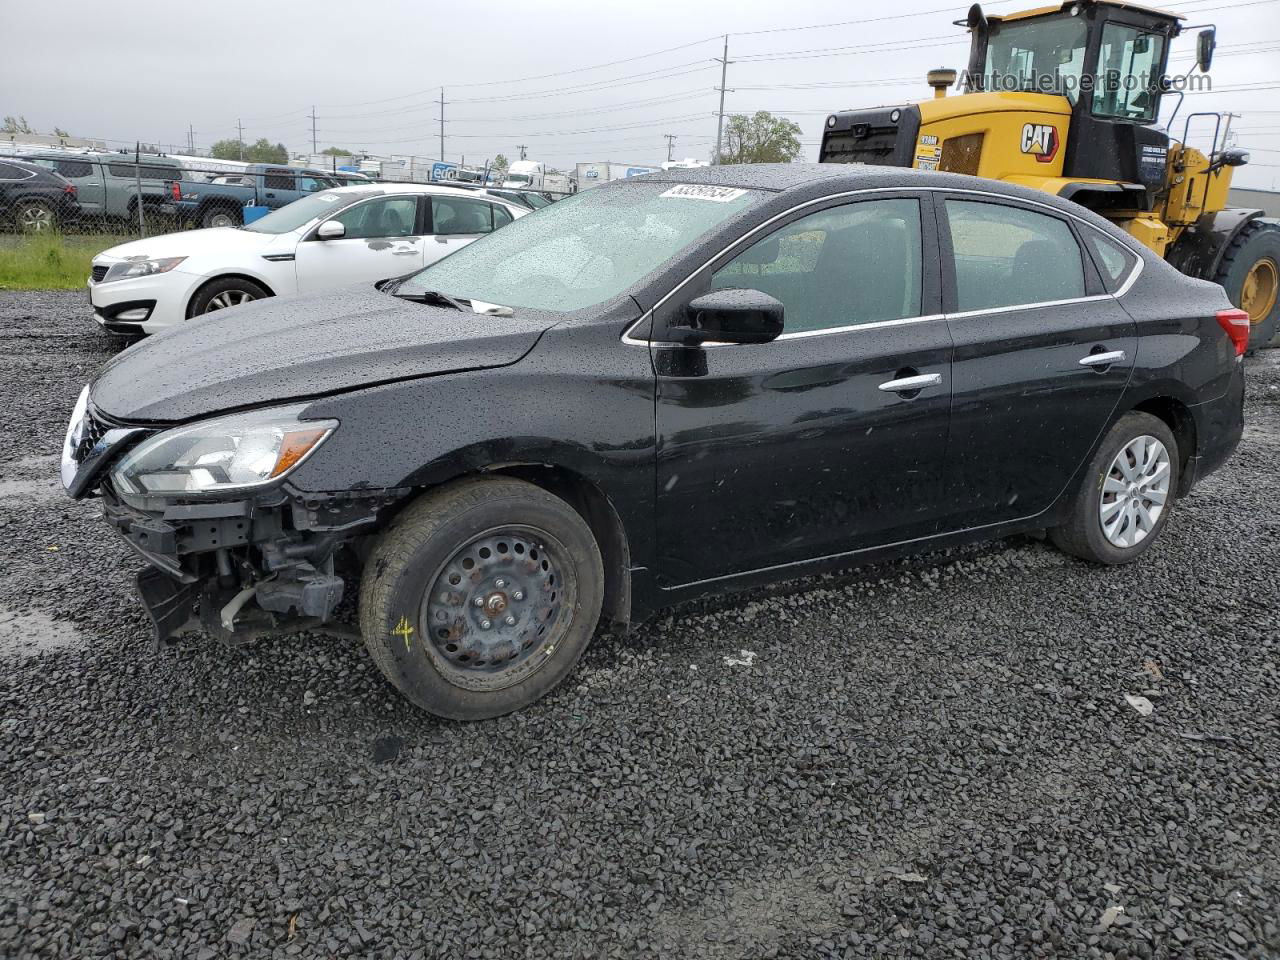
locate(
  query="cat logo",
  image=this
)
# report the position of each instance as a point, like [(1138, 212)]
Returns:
[(1040, 140)]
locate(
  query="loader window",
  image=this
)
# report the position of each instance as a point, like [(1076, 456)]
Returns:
[(1040, 55), (1129, 65)]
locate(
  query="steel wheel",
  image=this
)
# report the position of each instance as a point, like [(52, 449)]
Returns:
[(497, 605), (1135, 491), (36, 217), (229, 298), (1258, 295), (221, 220)]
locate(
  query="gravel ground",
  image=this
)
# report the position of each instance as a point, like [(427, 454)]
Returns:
[(929, 759)]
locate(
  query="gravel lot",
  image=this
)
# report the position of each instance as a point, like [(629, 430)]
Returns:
[(929, 759)]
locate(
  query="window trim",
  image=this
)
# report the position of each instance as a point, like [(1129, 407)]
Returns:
[(647, 316)]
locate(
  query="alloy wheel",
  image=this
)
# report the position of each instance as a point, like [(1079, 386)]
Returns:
[(497, 605), (229, 298), (36, 218), (1135, 491)]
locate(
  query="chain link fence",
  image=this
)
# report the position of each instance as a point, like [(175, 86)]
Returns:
[(136, 194)]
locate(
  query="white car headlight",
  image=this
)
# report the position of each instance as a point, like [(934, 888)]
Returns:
[(129, 269), (227, 453)]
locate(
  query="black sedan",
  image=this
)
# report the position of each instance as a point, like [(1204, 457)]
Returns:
[(673, 385), (33, 199)]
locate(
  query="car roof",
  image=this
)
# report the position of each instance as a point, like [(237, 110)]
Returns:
[(824, 178), (390, 187)]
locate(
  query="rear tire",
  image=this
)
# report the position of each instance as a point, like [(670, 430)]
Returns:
[(1250, 273), (36, 216), (221, 217), (480, 598), (1121, 506), (226, 292)]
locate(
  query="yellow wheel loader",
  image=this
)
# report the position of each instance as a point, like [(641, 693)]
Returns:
[(1065, 99)]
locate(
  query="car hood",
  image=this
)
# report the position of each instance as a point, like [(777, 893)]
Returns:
[(191, 243), (291, 348)]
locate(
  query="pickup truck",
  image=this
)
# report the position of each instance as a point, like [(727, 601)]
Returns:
[(106, 185), (260, 185)]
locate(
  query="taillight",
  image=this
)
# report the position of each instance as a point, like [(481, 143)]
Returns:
[(1236, 323), (177, 191), (70, 189)]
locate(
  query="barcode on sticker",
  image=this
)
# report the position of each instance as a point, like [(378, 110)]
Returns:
[(702, 191)]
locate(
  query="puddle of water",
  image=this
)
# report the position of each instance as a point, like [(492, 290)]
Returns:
[(26, 635)]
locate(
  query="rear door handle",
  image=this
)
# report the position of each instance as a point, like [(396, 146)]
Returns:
[(1103, 359), (909, 384)]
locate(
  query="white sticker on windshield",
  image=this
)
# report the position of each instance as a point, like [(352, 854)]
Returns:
[(702, 191)]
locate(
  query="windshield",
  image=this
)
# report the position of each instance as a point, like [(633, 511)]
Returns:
[(516, 178), (1040, 55), (583, 250), (301, 212)]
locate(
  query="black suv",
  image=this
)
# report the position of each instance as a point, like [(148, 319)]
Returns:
[(673, 385), (34, 199)]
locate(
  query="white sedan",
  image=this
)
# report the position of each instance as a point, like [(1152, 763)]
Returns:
[(327, 240)]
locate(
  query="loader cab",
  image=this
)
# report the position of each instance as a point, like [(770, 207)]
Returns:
[(1109, 61)]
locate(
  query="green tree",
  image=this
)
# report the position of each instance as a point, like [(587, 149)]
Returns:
[(261, 150), (59, 132), (499, 165), (16, 125), (762, 138), (336, 152)]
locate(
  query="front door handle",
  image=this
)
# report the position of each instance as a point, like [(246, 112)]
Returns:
[(1103, 359), (911, 384)]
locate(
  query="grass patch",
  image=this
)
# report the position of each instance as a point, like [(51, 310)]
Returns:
[(49, 261)]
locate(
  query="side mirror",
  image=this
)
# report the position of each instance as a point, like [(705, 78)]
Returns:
[(1233, 157), (1206, 43), (331, 230), (730, 316)]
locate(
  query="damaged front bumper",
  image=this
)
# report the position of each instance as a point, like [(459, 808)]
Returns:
[(241, 568)]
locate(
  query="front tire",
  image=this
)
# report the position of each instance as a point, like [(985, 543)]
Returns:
[(1127, 493), (1250, 273), (481, 596), (223, 293)]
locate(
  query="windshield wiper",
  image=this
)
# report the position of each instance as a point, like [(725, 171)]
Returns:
[(434, 298)]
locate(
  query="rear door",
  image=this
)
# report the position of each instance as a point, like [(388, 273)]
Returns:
[(1042, 356), (383, 239), (86, 175), (818, 443), (279, 187)]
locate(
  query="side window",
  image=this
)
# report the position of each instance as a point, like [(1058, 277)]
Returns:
[(1113, 260), (1006, 256), (74, 169), (385, 217), (9, 172), (501, 217), (278, 180), (451, 216), (854, 264), (1128, 73), (126, 171)]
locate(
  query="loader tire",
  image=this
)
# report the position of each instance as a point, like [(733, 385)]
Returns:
[(1250, 273)]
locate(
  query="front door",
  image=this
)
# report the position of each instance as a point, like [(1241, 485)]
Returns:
[(829, 439), (382, 240), (1042, 356)]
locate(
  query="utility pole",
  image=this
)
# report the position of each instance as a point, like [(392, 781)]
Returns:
[(671, 139), (521, 148), (191, 139), (240, 136), (442, 124), (724, 70), (313, 128)]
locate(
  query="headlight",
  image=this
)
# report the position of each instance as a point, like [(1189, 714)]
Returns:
[(75, 436), (128, 269), (229, 453)]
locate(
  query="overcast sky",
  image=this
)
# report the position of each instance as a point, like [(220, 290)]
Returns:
[(373, 69)]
